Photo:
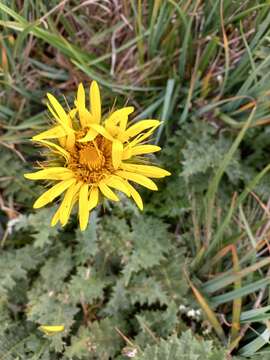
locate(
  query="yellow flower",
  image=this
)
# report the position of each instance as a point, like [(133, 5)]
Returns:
[(92, 154)]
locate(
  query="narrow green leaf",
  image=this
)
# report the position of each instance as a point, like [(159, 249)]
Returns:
[(221, 281), (245, 290), (213, 186), (251, 348)]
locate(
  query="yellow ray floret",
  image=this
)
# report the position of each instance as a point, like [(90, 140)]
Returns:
[(146, 170), (59, 113), (93, 198), (138, 178), (120, 184), (95, 102), (94, 158), (68, 202), (53, 193), (53, 133), (83, 206), (52, 173), (130, 151), (136, 196), (106, 191), (117, 153), (118, 117)]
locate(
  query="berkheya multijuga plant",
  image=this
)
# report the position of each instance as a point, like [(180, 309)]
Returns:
[(89, 154), (93, 153)]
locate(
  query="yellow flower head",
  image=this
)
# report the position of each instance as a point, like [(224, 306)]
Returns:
[(93, 155)]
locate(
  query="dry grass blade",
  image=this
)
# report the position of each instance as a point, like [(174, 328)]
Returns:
[(211, 316)]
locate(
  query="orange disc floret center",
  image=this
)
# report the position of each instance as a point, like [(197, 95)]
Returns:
[(92, 157), (92, 161)]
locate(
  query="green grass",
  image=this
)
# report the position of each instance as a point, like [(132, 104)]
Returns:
[(203, 67)]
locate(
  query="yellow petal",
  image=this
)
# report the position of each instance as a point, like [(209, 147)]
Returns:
[(136, 196), (51, 329), (52, 193), (70, 141), (85, 116), (118, 183), (80, 104), (147, 170), (58, 108), (119, 116), (72, 113), (113, 130), (101, 130), (89, 118), (62, 141), (107, 192), (54, 173), (60, 114), (54, 114), (67, 203), (138, 128), (95, 101), (56, 147), (139, 150), (83, 207), (127, 154), (57, 214), (90, 136), (54, 133), (138, 178), (93, 198), (56, 217), (117, 151), (142, 137), (71, 116), (96, 129), (80, 97), (144, 149)]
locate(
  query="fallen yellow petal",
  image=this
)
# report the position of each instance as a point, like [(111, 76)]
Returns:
[(51, 329)]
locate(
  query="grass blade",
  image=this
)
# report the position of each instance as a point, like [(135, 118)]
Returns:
[(211, 316), (213, 187)]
